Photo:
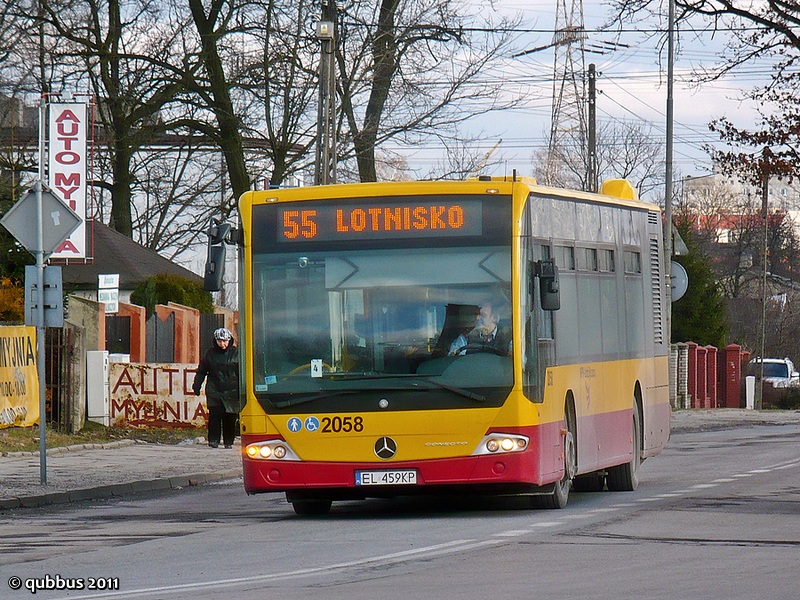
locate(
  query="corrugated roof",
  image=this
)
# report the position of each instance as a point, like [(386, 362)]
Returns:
[(117, 253)]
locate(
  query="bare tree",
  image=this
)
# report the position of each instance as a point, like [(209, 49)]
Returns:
[(121, 51), (409, 71), (624, 151), (767, 33)]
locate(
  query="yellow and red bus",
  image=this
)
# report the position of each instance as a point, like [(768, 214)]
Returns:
[(352, 297)]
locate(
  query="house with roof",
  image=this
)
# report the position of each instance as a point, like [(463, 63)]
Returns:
[(114, 253)]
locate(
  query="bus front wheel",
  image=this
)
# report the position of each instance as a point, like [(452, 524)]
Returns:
[(306, 508), (560, 494)]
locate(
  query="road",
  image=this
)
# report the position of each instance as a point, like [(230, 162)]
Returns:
[(717, 516)]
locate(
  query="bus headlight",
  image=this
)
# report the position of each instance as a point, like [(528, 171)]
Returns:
[(270, 450), (501, 443)]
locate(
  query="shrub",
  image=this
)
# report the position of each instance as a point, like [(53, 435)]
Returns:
[(165, 288)]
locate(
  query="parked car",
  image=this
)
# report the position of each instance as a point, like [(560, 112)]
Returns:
[(778, 372)]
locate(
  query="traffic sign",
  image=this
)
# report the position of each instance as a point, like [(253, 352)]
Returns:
[(53, 298), (58, 221)]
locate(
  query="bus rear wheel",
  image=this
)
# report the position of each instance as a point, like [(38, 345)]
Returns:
[(625, 478)]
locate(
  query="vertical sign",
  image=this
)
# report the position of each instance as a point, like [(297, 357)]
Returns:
[(67, 134), (108, 292)]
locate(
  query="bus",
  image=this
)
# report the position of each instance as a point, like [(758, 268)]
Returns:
[(362, 372)]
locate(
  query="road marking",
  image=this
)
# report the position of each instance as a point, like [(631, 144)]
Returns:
[(546, 524), (512, 533), (395, 557)]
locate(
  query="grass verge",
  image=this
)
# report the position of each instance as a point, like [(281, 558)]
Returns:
[(26, 439)]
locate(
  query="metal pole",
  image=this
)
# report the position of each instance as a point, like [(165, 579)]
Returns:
[(592, 133), (325, 171), (40, 299), (765, 215), (668, 169)]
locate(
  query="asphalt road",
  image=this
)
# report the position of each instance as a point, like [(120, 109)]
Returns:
[(717, 516)]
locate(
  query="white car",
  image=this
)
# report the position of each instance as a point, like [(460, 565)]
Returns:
[(778, 372)]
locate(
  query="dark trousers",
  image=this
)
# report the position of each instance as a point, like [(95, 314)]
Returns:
[(221, 422)]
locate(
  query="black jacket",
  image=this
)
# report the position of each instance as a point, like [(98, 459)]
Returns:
[(221, 367)]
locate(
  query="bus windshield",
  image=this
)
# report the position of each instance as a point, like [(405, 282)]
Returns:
[(333, 322)]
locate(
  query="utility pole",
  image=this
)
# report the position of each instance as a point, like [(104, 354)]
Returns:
[(325, 168), (591, 174), (759, 400)]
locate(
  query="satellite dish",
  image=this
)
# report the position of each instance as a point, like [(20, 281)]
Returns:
[(680, 281)]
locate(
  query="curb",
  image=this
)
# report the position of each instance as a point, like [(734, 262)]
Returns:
[(177, 482), (73, 448)]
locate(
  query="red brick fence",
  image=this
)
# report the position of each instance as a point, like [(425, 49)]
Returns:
[(706, 377)]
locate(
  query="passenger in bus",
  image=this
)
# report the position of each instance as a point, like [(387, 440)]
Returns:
[(488, 334), (220, 367)]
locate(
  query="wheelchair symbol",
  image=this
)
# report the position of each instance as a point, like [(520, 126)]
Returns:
[(312, 423)]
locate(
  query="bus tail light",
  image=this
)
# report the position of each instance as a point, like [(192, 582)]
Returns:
[(501, 443), (271, 450)]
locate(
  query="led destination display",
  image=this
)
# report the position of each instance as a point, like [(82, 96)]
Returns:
[(328, 221)]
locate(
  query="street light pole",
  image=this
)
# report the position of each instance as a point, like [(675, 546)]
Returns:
[(40, 330), (668, 182), (764, 215), (325, 168)]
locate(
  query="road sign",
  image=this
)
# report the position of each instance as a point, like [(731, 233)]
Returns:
[(58, 221), (53, 297), (108, 292)]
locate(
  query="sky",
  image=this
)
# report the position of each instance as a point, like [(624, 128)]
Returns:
[(631, 87)]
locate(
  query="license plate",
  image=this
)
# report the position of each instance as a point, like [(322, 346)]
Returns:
[(393, 477)]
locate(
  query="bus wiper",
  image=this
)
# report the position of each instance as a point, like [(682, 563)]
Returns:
[(310, 397), (454, 389), (444, 386)]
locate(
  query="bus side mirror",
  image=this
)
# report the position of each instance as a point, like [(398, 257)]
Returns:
[(547, 272), (215, 259)]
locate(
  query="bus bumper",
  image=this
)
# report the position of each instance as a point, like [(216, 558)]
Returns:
[(515, 470)]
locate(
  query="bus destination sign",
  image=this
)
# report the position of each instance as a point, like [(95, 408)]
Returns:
[(416, 218)]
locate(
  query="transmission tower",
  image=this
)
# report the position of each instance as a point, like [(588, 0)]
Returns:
[(568, 125)]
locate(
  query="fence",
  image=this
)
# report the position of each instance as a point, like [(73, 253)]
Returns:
[(706, 377)]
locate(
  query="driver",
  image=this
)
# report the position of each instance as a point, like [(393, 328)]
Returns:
[(487, 333)]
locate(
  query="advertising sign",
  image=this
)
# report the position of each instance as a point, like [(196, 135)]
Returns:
[(67, 134), (155, 395), (19, 381)]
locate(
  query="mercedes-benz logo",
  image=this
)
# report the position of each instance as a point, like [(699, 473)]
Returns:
[(385, 448)]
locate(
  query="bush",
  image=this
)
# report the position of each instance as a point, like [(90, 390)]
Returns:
[(164, 288), (788, 399)]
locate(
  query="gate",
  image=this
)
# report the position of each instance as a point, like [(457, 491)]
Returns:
[(118, 335), (160, 345), (59, 348)]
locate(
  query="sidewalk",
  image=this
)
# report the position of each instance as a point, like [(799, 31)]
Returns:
[(103, 470), (118, 468)]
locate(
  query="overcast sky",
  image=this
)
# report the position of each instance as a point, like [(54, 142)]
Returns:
[(631, 87)]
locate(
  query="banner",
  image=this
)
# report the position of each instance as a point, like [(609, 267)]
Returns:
[(155, 395), (19, 378), (67, 169)]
